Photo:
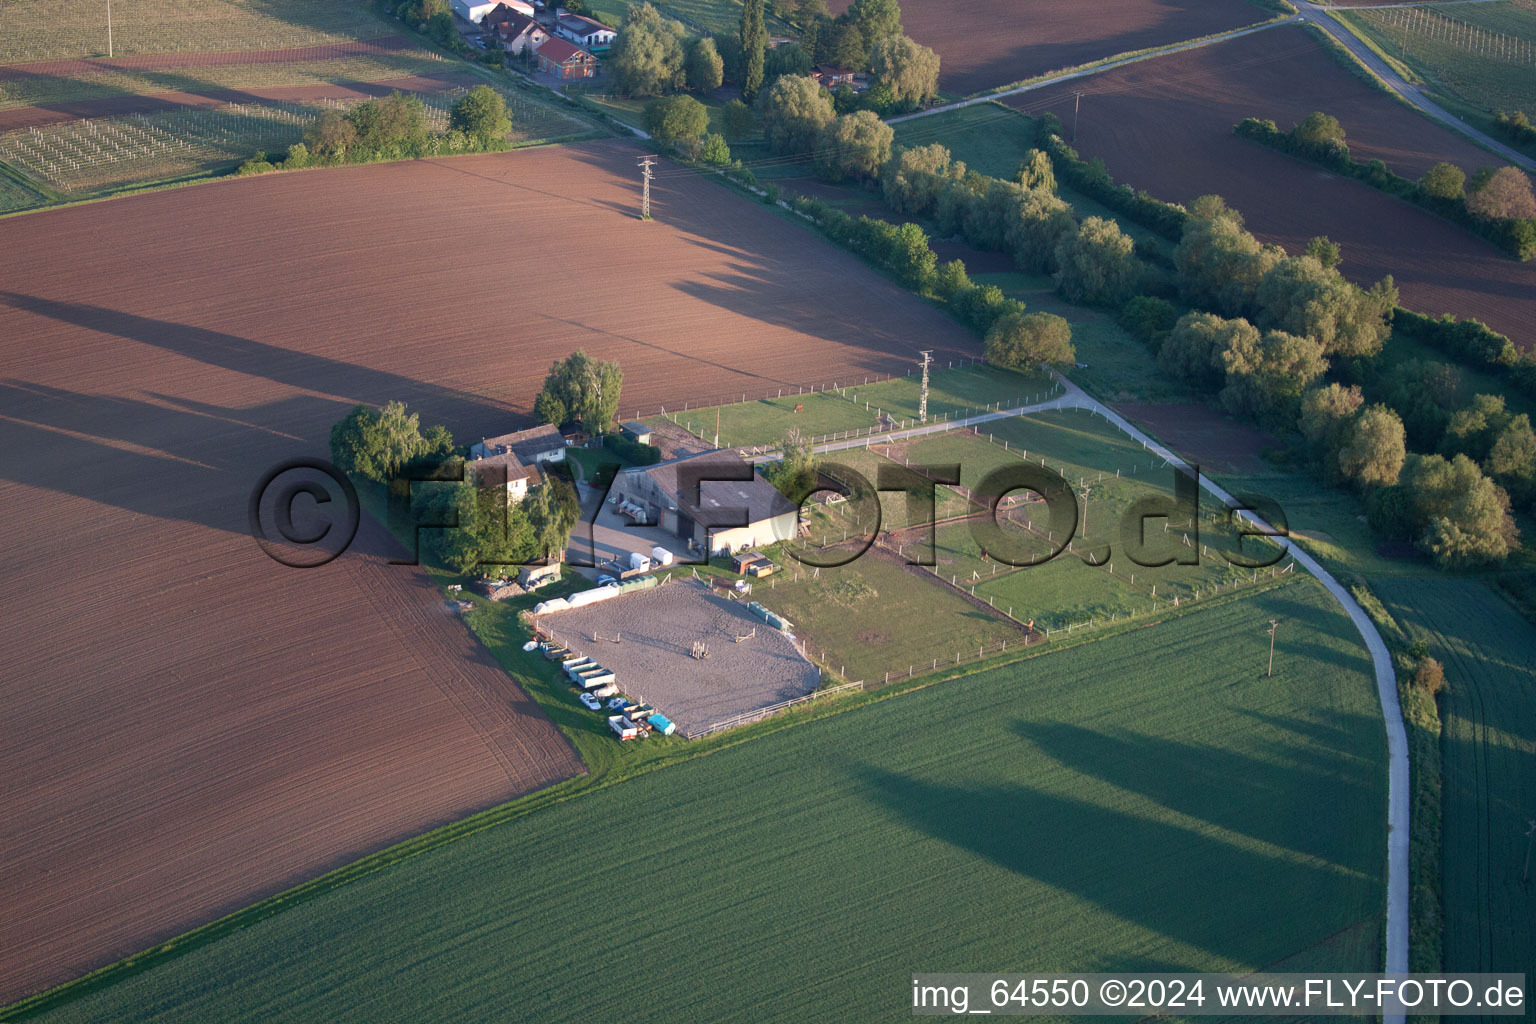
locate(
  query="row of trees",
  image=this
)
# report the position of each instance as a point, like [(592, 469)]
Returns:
[(654, 56), (1220, 266), (1497, 203), (1271, 369), (1092, 262), (395, 128)]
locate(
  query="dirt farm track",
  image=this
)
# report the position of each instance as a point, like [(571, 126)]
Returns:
[(199, 725)]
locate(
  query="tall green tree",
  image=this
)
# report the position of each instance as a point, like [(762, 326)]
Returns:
[(1023, 342), (1193, 349), (1444, 181), (1265, 381), (706, 69), (1460, 517), (1097, 264), (375, 444), (795, 110), (854, 146), (647, 57), (1373, 450), (1327, 414), (580, 390), (553, 511), (754, 46), (907, 69), (673, 119), (481, 114), (876, 19)]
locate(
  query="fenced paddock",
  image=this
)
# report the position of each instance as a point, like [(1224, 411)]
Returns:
[(653, 655)]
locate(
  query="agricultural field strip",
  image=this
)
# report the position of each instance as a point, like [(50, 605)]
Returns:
[(1047, 81)]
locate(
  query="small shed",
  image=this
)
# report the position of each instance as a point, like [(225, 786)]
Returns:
[(637, 431)]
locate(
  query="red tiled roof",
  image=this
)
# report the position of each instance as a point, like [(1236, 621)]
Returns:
[(562, 52)]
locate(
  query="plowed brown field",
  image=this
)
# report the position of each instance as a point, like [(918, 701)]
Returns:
[(1165, 125), (985, 44), (186, 725)]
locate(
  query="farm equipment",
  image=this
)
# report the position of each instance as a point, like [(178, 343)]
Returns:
[(753, 564), (623, 727), (639, 562)]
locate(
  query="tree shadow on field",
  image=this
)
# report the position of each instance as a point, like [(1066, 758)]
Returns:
[(1272, 796), (788, 277), (349, 383), (144, 457), (1192, 888)]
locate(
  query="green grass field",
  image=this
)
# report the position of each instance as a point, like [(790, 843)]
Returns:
[(38, 30), (875, 616), (1012, 820), (1479, 58), (954, 392), (1488, 761), (1083, 449)]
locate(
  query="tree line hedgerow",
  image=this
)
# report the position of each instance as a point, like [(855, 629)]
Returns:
[(1497, 204), (394, 127)]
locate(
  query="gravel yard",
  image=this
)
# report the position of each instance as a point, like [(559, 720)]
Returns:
[(654, 661)]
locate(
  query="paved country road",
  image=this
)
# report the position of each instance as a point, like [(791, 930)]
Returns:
[(1314, 14)]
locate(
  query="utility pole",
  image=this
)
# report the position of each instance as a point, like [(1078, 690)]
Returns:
[(717, 426), (1077, 102), (1273, 624), (646, 163), (1087, 489), (109, 28), (922, 400)]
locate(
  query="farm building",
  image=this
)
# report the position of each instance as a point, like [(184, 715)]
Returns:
[(585, 32), (536, 444), (558, 57), (473, 10), (637, 431), (832, 77), (514, 32), (713, 500), (505, 469)]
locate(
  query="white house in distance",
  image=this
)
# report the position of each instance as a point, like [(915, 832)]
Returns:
[(726, 515), (473, 10), (536, 444), (584, 32)]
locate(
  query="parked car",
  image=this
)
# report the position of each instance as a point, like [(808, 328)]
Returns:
[(607, 581), (590, 702)]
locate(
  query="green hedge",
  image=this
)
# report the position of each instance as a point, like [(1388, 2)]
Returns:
[(632, 452), (1516, 236), (1091, 179), (1471, 341)]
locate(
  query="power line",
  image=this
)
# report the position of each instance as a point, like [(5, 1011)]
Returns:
[(646, 163)]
